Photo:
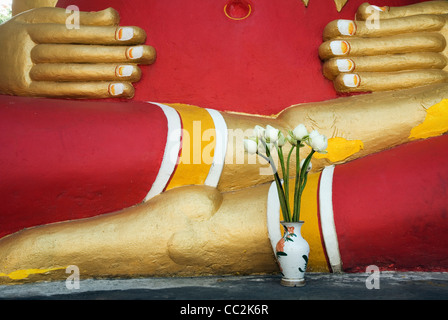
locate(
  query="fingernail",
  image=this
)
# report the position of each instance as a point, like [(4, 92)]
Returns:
[(124, 33), (346, 27), (381, 9), (345, 65), (124, 71), (116, 89), (351, 80), (134, 52), (339, 47)]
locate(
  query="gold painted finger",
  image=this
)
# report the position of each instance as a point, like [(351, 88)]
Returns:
[(107, 35), (343, 29), (107, 17), (67, 53), (367, 11), (82, 90), (85, 72), (383, 81), (406, 43), (384, 63)]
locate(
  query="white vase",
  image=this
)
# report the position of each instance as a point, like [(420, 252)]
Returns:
[(292, 253)]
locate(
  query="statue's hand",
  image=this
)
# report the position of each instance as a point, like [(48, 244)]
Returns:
[(42, 55), (387, 48)]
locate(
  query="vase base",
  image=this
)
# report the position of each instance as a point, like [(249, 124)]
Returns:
[(292, 282)]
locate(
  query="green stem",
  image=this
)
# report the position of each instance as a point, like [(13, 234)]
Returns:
[(302, 184), (297, 183), (281, 194), (286, 177), (282, 162), (306, 163)]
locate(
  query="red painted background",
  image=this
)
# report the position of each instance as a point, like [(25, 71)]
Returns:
[(391, 208), (260, 65)]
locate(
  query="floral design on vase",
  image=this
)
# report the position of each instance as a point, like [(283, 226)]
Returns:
[(280, 248)]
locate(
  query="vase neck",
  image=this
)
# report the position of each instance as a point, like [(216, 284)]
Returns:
[(289, 226), (298, 223)]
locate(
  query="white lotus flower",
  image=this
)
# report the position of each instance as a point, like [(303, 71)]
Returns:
[(250, 146), (291, 139), (317, 141), (300, 132), (259, 131), (281, 139), (271, 134)]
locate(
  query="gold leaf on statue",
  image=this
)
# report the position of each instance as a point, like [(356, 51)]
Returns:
[(339, 4)]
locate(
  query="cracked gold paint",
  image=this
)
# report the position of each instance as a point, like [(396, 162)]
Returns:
[(435, 123), (340, 149)]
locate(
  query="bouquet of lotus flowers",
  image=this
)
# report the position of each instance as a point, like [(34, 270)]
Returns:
[(268, 140)]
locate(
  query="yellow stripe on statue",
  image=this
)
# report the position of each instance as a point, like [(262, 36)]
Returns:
[(198, 145), (310, 229)]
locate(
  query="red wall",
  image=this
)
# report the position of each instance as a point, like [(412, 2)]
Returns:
[(391, 208)]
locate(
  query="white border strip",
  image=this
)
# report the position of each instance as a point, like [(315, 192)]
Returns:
[(273, 216), (327, 219), (171, 153), (220, 148)]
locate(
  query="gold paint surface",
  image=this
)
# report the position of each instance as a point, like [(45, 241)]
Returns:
[(186, 231), (380, 120), (391, 48), (340, 4), (19, 6), (38, 37)]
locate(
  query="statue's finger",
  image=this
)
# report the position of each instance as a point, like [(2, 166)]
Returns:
[(384, 63), (82, 90), (69, 16), (67, 53), (383, 81), (366, 10), (342, 29), (85, 72), (406, 43), (105, 35)]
